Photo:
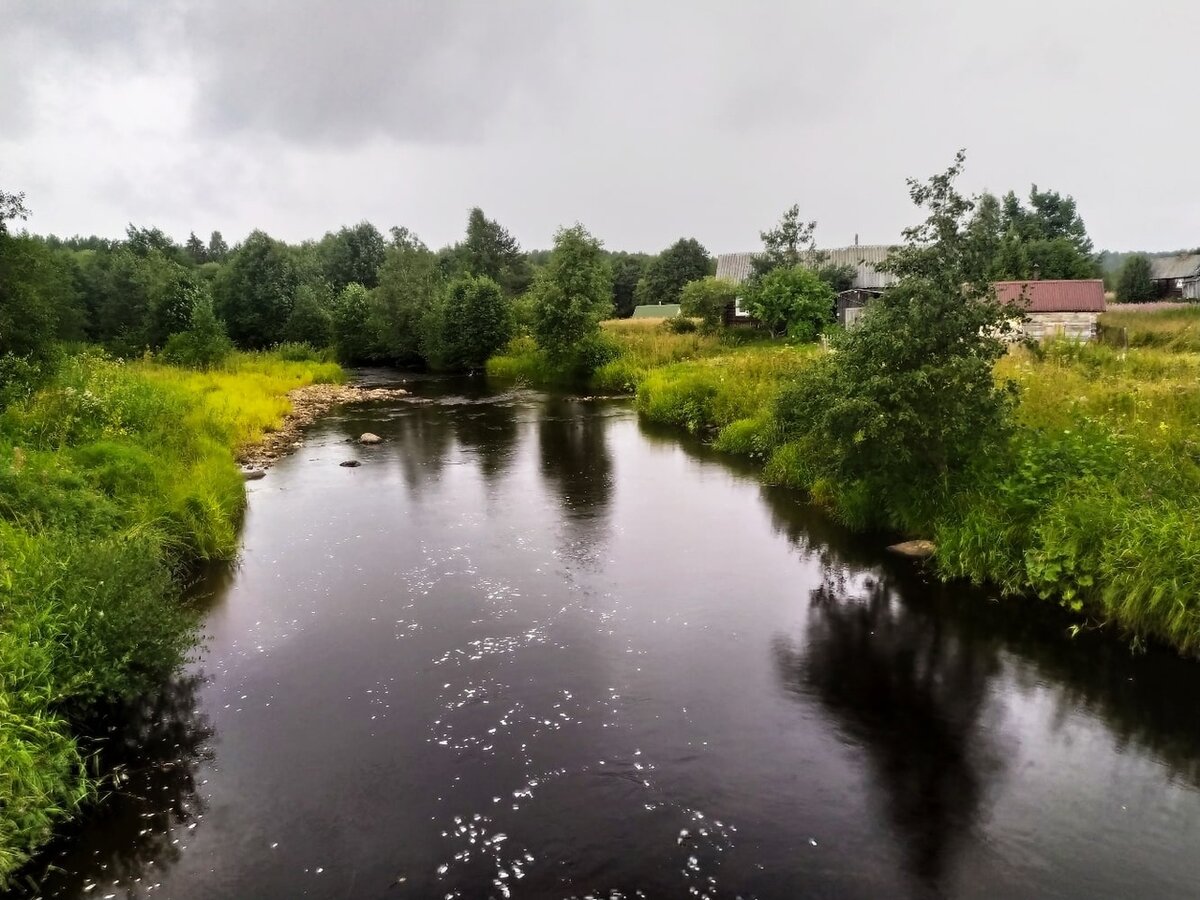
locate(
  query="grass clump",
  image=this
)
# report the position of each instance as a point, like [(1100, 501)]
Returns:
[(115, 478)]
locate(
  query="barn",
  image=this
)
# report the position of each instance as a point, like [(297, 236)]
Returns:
[(1177, 275), (1056, 308)]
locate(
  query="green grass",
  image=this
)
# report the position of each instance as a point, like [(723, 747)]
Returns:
[(1172, 327), (115, 478), (639, 346)]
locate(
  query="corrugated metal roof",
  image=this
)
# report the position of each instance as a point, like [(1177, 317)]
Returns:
[(864, 259), (656, 311), (1182, 265), (1083, 295)]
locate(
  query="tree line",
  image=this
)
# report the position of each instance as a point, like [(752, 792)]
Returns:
[(370, 296)]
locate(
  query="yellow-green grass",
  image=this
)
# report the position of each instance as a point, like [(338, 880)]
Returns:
[(114, 479), (1168, 326)]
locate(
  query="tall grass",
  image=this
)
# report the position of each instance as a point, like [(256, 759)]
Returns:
[(1170, 326), (114, 479), (639, 346)]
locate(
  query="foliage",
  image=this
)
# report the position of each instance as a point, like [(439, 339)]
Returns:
[(1012, 241), (787, 245), (908, 402), (684, 261), (410, 284), (792, 301), (628, 269), (1135, 284), (114, 477), (255, 291), (204, 344), (353, 338), (489, 250), (351, 255), (571, 295), (706, 299), (472, 323), (311, 321)]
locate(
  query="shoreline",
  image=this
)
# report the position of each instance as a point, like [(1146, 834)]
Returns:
[(309, 403)]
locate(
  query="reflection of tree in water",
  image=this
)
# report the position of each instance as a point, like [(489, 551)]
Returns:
[(153, 751), (489, 431), (572, 439), (913, 695)]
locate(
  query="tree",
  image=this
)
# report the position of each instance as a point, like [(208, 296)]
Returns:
[(204, 344), (706, 299), (792, 301), (172, 304), (311, 321), (474, 321), (218, 250), (12, 206), (627, 269), (787, 245), (352, 337), (1046, 239), (571, 295), (1135, 284), (489, 250), (410, 282), (194, 247), (352, 254), (254, 292), (908, 402), (684, 261)]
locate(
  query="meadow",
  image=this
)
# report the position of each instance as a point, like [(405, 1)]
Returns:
[(116, 480)]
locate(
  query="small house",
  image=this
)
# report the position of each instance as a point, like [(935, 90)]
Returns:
[(1056, 308), (1172, 274), (656, 311), (850, 305)]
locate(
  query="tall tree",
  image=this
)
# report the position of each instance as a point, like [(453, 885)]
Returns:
[(491, 251), (352, 337), (790, 243), (409, 285), (627, 269), (1135, 284), (352, 255), (218, 250), (194, 247), (475, 322), (571, 294), (255, 291), (311, 319), (684, 261)]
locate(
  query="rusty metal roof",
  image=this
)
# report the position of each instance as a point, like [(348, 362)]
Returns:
[(1083, 295), (863, 258), (1181, 265)]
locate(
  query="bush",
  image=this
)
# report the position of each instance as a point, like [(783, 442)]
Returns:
[(205, 343), (679, 325), (792, 301), (707, 299)]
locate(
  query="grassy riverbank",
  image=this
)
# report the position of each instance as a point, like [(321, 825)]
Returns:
[(115, 478), (1092, 504)]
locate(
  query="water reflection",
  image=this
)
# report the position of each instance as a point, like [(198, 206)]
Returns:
[(489, 431), (577, 466), (153, 797), (913, 695)]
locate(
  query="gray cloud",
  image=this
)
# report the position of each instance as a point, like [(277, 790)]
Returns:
[(644, 120)]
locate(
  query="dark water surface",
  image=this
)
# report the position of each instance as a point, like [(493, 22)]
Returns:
[(530, 648)]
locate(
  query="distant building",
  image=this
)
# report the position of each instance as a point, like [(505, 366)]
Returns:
[(1172, 275), (656, 311), (864, 259), (1056, 308)]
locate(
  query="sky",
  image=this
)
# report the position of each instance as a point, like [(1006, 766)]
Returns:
[(645, 121)]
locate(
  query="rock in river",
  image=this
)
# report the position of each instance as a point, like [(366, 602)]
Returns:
[(915, 549), (368, 438), (350, 463), (254, 474)]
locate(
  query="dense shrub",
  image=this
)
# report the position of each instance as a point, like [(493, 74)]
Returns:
[(792, 301)]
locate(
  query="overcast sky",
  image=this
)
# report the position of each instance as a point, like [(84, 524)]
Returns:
[(645, 121)]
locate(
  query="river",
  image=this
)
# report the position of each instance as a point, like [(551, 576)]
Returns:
[(532, 648)]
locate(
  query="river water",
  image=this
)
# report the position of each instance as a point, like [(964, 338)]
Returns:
[(531, 648)]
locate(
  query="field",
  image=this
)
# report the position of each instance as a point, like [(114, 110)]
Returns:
[(115, 479)]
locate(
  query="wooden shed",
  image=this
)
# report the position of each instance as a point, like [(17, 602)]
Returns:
[(1172, 274), (1056, 308)]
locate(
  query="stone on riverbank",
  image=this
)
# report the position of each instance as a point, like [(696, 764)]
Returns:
[(369, 438), (915, 549)]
